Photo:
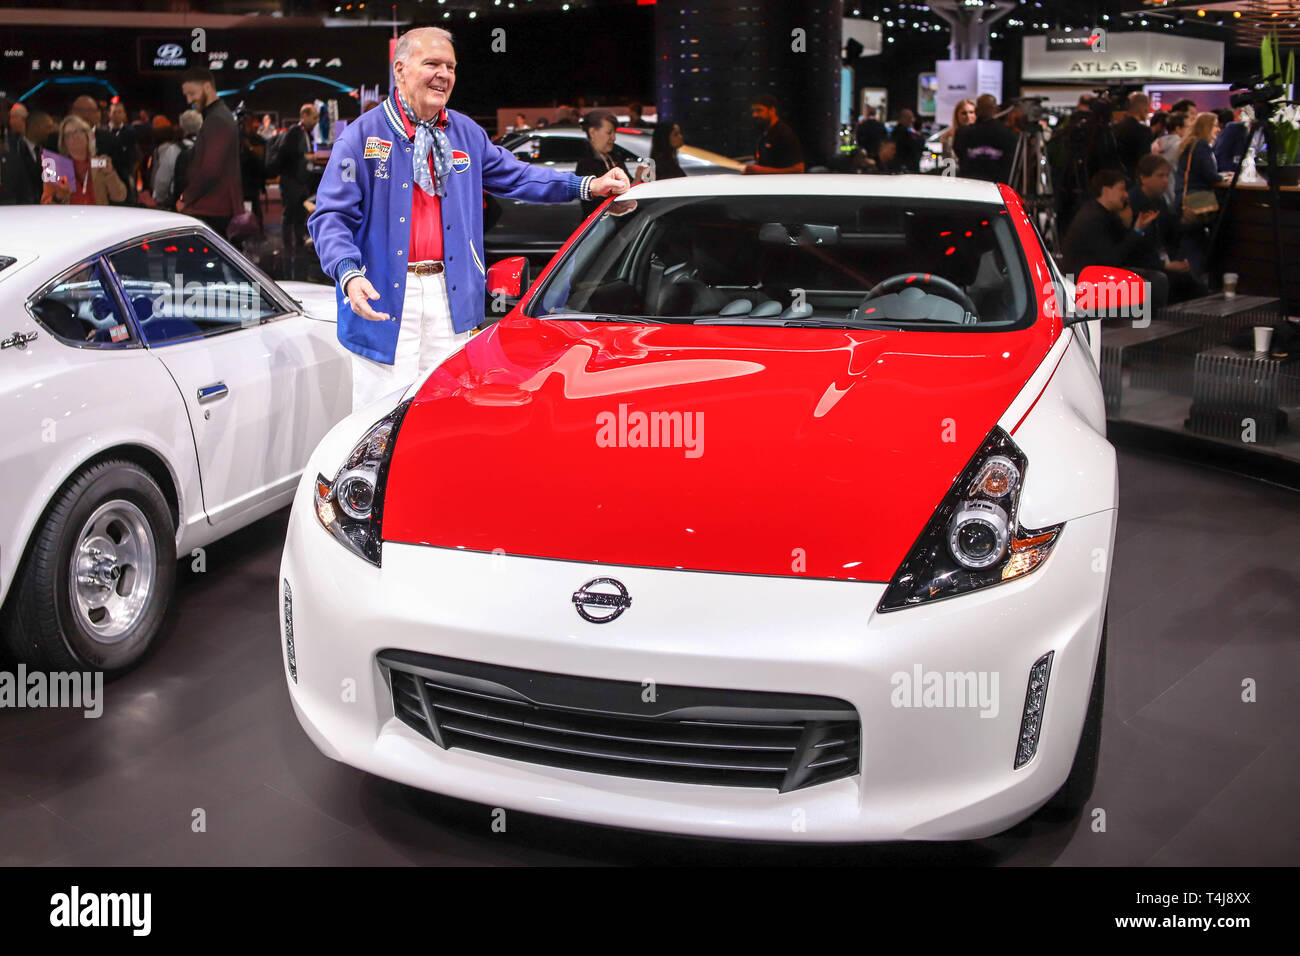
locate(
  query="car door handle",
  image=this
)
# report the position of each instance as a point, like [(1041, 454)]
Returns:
[(210, 393)]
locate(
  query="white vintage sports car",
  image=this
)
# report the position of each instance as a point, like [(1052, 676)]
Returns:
[(779, 507), (157, 391)]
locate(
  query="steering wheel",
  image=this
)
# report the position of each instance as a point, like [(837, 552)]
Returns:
[(932, 283)]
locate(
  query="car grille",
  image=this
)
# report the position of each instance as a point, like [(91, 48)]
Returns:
[(661, 732)]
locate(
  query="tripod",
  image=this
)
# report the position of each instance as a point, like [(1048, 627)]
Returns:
[(1032, 179), (1274, 195)]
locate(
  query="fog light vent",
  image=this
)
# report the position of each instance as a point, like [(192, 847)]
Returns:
[(1031, 721), (288, 631)]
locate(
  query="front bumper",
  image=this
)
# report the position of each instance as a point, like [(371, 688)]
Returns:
[(926, 772)]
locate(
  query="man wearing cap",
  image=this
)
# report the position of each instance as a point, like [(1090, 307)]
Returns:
[(399, 219)]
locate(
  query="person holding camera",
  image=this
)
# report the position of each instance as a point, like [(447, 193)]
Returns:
[(95, 182)]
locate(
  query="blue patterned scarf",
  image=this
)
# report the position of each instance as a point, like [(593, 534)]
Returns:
[(429, 136)]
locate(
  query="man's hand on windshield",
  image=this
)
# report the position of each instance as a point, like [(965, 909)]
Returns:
[(360, 293), (613, 183)]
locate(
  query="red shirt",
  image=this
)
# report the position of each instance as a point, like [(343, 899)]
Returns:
[(426, 210), (83, 192)]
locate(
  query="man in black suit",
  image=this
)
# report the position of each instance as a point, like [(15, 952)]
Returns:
[(295, 178), (20, 180), (117, 141), (1132, 134)]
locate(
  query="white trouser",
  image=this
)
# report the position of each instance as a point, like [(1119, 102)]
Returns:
[(425, 338)]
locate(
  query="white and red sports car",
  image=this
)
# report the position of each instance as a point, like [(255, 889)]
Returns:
[(778, 507)]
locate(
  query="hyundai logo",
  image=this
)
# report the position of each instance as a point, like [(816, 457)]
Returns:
[(601, 600), (170, 51)]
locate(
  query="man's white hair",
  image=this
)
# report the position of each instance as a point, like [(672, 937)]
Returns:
[(407, 40)]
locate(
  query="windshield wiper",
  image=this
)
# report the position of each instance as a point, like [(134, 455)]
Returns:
[(592, 317), (777, 322)]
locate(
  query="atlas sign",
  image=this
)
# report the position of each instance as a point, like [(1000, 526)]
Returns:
[(1123, 56)]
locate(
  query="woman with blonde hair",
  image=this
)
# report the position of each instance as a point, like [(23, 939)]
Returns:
[(962, 115), (1197, 170), (95, 182), (1197, 173)]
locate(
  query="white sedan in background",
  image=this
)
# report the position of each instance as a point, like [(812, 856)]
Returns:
[(157, 392)]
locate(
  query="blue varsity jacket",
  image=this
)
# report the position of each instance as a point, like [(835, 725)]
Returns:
[(363, 208)]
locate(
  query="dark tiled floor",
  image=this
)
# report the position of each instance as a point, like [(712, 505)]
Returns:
[(1205, 594)]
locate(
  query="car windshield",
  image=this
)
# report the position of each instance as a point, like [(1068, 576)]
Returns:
[(816, 261)]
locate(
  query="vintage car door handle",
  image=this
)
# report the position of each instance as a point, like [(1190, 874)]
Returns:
[(210, 393)]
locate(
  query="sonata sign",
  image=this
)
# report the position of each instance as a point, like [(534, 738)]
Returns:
[(218, 61), (1127, 56), (173, 53)]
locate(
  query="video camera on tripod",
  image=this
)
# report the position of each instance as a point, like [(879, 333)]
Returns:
[(1258, 91)]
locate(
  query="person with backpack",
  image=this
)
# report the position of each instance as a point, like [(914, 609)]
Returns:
[(286, 156), (169, 169)]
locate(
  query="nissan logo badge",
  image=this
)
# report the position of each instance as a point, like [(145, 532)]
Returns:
[(601, 600)]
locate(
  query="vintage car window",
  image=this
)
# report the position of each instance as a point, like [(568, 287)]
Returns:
[(798, 260), (181, 287), (80, 309)]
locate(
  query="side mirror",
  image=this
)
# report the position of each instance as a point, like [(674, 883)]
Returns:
[(1107, 292), (526, 155), (507, 281)]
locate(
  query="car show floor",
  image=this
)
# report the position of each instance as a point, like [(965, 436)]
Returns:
[(197, 758)]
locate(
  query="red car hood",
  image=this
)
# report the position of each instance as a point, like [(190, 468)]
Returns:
[(801, 452)]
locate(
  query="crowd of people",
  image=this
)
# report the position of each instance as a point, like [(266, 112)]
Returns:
[(1131, 187), (211, 162)]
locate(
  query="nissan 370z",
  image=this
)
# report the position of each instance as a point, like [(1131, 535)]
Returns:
[(776, 508)]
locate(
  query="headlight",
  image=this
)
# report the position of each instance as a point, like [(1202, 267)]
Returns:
[(351, 507), (973, 540)]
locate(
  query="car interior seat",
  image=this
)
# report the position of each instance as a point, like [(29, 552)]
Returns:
[(989, 290), (59, 318)]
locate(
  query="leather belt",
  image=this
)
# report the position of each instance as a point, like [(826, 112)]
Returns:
[(425, 268)]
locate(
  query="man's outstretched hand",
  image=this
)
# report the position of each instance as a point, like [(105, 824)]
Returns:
[(360, 294), (613, 183)]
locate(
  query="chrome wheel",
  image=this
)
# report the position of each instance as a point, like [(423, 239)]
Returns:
[(111, 574)]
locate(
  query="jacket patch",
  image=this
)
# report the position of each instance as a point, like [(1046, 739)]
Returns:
[(459, 160), (377, 148)]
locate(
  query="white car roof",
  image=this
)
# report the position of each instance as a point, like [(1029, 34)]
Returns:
[(823, 184), (71, 233)]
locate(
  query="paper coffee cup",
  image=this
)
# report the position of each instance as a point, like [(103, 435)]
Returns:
[(1229, 284), (1263, 338)]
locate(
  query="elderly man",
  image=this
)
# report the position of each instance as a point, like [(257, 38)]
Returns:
[(399, 219)]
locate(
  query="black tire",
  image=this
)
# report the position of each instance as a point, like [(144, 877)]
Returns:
[(42, 625), (1077, 789)]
